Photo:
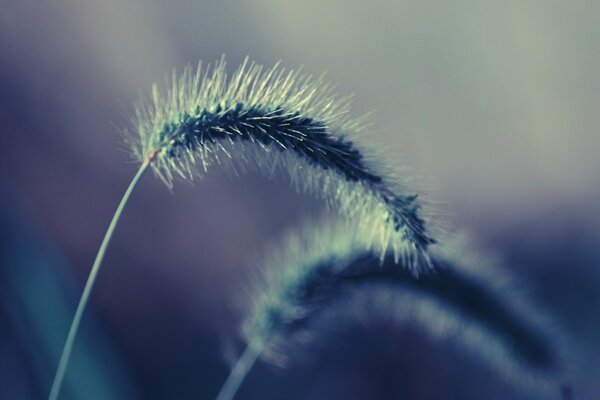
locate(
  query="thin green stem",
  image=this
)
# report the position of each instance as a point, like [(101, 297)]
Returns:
[(66, 353), (240, 370)]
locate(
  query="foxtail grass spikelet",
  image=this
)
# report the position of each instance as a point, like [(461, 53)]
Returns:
[(279, 120), (329, 270)]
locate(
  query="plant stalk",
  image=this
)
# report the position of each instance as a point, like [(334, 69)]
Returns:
[(66, 353), (240, 370)]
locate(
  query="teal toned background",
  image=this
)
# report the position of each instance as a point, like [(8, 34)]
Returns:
[(494, 107)]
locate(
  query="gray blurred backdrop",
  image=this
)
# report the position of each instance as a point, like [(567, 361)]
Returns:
[(494, 107)]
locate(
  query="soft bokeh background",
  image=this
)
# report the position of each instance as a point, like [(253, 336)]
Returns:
[(495, 106)]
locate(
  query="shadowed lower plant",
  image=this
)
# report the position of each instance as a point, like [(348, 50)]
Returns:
[(268, 120), (331, 270)]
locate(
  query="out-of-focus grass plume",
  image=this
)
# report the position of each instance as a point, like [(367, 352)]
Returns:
[(327, 269)]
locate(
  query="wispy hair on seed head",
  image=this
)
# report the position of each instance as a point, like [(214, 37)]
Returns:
[(327, 271), (275, 119)]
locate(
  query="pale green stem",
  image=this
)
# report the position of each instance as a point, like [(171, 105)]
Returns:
[(240, 370), (66, 353)]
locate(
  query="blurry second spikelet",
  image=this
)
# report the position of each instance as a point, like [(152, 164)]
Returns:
[(328, 269)]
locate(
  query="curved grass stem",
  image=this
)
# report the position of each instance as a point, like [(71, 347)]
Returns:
[(240, 370), (66, 353)]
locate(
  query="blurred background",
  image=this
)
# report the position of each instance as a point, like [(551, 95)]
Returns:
[(493, 106)]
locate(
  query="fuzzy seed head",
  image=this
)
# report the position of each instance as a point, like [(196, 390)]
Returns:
[(279, 120), (327, 271)]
